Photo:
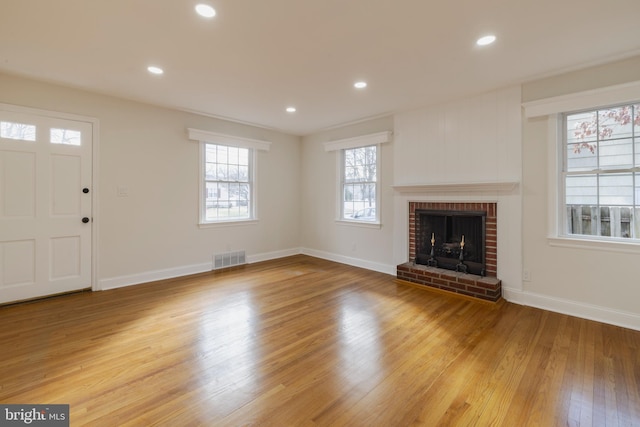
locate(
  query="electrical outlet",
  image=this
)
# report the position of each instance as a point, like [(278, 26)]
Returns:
[(526, 275)]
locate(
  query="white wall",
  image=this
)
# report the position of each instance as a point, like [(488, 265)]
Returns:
[(470, 141), (153, 232), (594, 283), (321, 234)]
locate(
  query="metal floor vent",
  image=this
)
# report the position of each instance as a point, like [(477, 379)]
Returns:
[(229, 259)]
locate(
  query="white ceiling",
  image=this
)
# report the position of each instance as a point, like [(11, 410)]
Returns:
[(257, 57)]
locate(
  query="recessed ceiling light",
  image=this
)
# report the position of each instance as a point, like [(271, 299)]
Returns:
[(205, 10), (291, 109), (155, 70), (360, 85), (486, 40)]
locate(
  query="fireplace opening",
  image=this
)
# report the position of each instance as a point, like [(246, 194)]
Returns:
[(450, 239)]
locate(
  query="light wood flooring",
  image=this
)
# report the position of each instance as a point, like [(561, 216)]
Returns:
[(307, 342)]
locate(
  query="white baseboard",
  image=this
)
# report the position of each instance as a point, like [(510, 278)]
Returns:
[(273, 255), (151, 276), (573, 308), (170, 273), (356, 262)]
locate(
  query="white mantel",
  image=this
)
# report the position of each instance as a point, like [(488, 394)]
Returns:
[(460, 187)]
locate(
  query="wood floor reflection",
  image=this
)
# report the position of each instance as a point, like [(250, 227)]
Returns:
[(306, 342)]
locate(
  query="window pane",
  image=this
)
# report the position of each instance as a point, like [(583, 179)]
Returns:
[(580, 158), (350, 173), (210, 153), (369, 194), (222, 172), (243, 156), (370, 154), (221, 155), (615, 123), (616, 190), (582, 219), (210, 171), (581, 190), (349, 157), (233, 155), (616, 154), (244, 196), (582, 127), (243, 173), (349, 197), (19, 131), (65, 136), (233, 172)]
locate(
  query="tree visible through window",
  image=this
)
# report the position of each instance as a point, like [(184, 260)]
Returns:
[(228, 183), (359, 184), (21, 131), (602, 172)]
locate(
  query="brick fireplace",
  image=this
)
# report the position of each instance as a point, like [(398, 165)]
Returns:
[(486, 288)]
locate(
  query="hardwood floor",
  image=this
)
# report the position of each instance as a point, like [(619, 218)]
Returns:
[(306, 342)]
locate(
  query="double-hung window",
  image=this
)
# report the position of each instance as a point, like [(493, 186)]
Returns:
[(360, 184), (228, 181), (601, 172), (227, 176), (359, 177)]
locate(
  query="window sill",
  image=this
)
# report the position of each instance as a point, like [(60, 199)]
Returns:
[(362, 224), (229, 223), (628, 247)]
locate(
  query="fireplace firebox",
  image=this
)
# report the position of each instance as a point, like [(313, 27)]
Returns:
[(451, 239)]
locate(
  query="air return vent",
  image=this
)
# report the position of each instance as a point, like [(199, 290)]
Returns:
[(229, 259)]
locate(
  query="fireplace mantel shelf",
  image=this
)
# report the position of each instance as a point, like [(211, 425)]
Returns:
[(468, 187)]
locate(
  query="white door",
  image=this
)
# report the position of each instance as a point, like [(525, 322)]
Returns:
[(45, 205)]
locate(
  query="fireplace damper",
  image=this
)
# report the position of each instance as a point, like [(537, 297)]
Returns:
[(446, 228)]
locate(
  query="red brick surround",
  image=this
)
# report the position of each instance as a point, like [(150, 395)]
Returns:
[(491, 249), (487, 288)]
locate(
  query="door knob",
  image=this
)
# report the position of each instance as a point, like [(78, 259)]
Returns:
[(85, 220), (85, 190)]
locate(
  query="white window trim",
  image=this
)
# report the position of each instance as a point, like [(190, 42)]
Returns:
[(553, 108), (358, 141), (207, 137), (339, 146), (223, 139), (587, 100)]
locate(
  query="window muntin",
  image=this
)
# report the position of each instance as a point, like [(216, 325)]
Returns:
[(19, 131), (359, 184), (601, 174), (228, 183)]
